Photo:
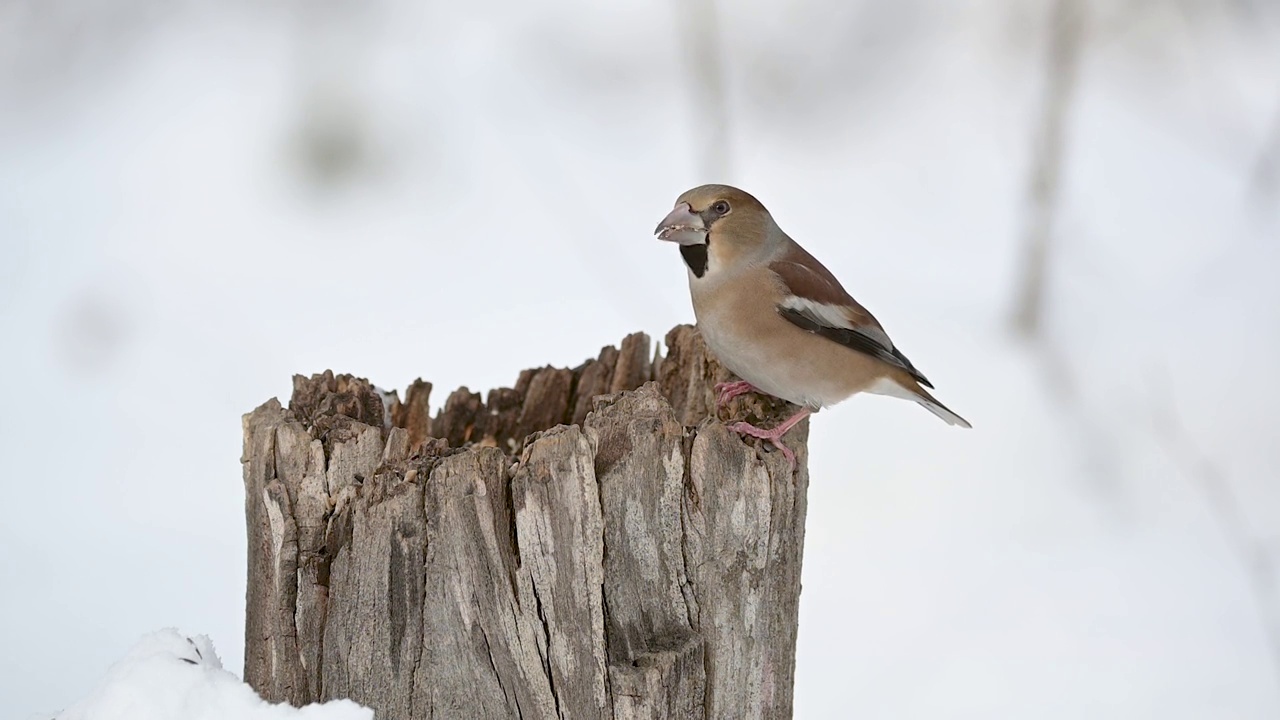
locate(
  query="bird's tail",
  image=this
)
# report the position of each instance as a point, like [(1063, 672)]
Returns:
[(930, 403), (911, 390)]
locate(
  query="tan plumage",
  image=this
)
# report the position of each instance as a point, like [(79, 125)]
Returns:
[(776, 317)]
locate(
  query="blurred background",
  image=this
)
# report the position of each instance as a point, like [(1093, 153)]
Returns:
[(1067, 212)]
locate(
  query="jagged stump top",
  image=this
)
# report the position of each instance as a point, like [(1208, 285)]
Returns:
[(329, 404)]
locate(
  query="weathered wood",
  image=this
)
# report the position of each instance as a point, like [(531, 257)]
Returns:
[(414, 415), (587, 544)]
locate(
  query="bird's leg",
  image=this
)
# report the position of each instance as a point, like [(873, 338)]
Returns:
[(730, 390), (775, 435)]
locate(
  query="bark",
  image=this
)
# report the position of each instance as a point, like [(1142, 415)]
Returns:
[(591, 543)]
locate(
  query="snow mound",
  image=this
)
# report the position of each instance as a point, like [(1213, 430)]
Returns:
[(169, 676)]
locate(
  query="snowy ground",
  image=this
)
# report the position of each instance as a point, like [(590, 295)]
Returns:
[(167, 676), (170, 260)]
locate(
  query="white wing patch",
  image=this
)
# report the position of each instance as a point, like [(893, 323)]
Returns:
[(829, 315), (833, 316)]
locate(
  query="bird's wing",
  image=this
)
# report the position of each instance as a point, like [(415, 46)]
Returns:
[(815, 301)]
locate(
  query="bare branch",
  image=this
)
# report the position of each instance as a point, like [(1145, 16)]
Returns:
[(704, 52), (1066, 37), (1266, 173), (1254, 556)]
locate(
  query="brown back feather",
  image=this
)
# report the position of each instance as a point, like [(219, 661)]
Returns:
[(807, 278)]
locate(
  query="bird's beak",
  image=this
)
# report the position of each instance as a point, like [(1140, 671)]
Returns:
[(682, 226)]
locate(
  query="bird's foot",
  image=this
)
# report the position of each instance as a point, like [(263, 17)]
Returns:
[(730, 390), (775, 435), (771, 435)]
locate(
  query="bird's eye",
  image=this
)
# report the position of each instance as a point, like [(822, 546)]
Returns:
[(720, 208)]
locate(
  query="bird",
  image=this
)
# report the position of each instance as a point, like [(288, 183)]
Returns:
[(777, 318)]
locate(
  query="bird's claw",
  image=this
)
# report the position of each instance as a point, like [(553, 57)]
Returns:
[(730, 390), (772, 436)]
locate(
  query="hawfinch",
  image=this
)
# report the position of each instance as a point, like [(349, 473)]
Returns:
[(777, 318)]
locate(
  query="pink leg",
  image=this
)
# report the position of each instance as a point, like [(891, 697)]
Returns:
[(729, 391), (775, 435)]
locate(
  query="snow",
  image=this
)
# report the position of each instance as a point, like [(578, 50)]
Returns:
[(172, 256), (168, 676)]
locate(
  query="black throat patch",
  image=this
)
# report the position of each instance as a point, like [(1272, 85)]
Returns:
[(695, 256)]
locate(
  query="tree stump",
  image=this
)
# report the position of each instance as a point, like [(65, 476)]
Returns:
[(592, 543)]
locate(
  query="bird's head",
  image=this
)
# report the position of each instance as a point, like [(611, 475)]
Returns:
[(717, 225)]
